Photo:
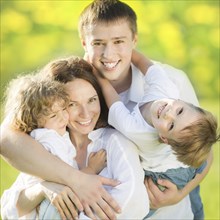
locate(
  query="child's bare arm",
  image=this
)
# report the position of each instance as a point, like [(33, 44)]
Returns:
[(97, 161), (140, 61), (110, 94)]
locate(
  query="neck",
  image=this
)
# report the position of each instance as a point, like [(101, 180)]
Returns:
[(81, 143), (124, 82), (145, 111), (79, 140)]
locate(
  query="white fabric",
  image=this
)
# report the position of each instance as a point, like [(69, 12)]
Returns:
[(58, 145), (179, 211), (155, 157), (186, 92), (122, 164)]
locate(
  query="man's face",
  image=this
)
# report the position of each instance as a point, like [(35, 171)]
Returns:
[(109, 48)]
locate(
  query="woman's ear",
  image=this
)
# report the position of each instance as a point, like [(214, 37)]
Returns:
[(163, 139)]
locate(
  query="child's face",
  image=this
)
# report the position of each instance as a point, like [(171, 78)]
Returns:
[(58, 119), (84, 108), (109, 48), (170, 116)]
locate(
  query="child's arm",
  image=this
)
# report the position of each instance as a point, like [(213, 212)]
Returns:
[(96, 162), (140, 61), (109, 93)]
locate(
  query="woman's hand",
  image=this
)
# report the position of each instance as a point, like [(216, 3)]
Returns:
[(63, 198), (170, 196)]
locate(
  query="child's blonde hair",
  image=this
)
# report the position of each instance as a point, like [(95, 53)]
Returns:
[(28, 99), (195, 141)]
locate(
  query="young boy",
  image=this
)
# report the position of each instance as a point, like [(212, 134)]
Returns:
[(39, 108), (160, 115)]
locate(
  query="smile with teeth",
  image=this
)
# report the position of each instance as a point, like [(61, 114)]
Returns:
[(110, 65), (85, 122), (160, 110)]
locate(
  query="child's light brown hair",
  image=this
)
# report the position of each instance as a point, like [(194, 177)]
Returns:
[(195, 141), (29, 99)]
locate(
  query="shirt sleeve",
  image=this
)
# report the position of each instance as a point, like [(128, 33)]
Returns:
[(131, 124), (181, 80), (124, 165), (159, 85), (9, 200)]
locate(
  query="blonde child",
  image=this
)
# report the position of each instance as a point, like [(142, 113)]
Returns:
[(39, 107)]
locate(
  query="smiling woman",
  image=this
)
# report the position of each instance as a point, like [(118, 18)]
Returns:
[(86, 111)]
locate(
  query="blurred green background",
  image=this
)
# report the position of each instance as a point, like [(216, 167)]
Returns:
[(184, 34)]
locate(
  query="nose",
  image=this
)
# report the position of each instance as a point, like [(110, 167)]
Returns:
[(84, 112), (169, 114), (108, 51)]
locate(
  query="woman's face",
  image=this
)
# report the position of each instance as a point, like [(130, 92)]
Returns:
[(84, 108)]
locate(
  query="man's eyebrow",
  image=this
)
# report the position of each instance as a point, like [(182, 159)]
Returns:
[(114, 38)]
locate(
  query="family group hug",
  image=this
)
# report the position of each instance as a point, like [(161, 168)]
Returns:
[(112, 135)]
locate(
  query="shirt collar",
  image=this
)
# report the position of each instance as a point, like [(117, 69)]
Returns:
[(96, 134)]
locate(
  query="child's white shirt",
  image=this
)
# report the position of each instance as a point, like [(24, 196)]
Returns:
[(60, 146), (155, 157)]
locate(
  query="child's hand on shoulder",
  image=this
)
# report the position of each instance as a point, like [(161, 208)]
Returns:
[(97, 161)]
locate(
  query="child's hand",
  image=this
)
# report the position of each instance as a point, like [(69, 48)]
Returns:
[(97, 161)]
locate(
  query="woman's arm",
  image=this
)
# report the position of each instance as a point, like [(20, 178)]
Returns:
[(20, 150), (172, 195)]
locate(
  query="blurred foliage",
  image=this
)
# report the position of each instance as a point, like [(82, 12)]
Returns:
[(182, 33)]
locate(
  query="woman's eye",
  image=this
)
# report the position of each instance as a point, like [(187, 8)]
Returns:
[(93, 99)]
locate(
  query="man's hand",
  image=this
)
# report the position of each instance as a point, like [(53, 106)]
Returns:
[(95, 199), (170, 196), (63, 198)]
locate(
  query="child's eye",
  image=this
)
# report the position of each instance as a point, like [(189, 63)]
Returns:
[(72, 104), (171, 126), (53, 116), (96, 43), (180, 111)]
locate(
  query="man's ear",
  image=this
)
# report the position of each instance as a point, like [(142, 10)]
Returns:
[(135, 40), (163, 139)]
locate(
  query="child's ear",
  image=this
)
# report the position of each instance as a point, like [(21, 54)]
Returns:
[(163, 139), (84, 45)]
